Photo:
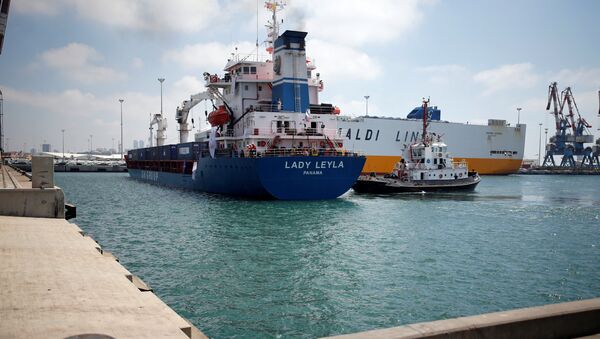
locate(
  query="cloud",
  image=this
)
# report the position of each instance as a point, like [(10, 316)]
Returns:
[(578, 78), (77, 61), (443, 74), (42, 7), (354, 64), (209, 56), (355, 108), (355, 22), (144, 15), (81, 114), (137, 63), (507, 77)]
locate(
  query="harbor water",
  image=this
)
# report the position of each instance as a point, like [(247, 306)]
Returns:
[(249, 269)]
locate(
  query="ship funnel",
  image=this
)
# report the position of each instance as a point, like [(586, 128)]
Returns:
[(290, 83)]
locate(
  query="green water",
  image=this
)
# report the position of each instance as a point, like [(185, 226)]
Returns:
[(248, 269)]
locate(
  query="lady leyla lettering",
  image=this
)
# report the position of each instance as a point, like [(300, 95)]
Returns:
[(307, 165)]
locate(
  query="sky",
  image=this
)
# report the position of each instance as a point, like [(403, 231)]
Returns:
[(66, 63)]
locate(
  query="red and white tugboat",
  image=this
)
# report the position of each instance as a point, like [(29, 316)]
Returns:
[(425, 167)]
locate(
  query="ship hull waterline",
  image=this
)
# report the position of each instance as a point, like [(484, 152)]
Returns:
[(386, 186), (283, 178)]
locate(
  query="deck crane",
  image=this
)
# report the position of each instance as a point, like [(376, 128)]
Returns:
[(182, 113), (161, 128)]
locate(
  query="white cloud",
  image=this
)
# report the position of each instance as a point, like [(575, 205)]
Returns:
[(443, 74), (43, 7), (355, 22), (137, 63), (339, 62), (578, 78), (207, 56), (81, 114), (355, 108), (144, 15), (77, 61), (507, 77), (189, 84)]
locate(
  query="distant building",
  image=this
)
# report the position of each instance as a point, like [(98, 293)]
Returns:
[(135, 144), (141, 143), (45, 147)]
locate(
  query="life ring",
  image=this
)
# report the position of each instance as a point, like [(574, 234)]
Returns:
[(214, 78)]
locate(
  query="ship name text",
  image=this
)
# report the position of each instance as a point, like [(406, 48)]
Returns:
[(314, 165)]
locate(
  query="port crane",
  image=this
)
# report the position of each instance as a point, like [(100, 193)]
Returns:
[(562, 143), (594, 158)]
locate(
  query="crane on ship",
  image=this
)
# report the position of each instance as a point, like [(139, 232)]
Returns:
[(218, 117), (567, 145), (161, 128), (182, 113)]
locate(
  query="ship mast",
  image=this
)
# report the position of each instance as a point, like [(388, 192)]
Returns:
[(273, 25), (424, 136)]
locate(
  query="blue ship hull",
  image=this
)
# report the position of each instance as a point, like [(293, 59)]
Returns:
[(285, 178)]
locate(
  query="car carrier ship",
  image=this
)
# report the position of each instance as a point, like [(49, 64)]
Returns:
[(495, 148), (269, 136)]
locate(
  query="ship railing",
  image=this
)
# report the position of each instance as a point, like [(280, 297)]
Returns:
[(331, 133), (283, 152)]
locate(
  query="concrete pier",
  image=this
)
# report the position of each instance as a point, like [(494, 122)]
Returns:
[(19, 197), (56, 282), (565, 320)]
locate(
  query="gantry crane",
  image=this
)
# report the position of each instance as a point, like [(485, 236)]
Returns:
[(568, 145)]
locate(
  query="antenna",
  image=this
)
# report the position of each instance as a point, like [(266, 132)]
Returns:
[(256, 30)]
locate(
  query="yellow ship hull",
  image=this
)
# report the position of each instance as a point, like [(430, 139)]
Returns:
[(382, 164)]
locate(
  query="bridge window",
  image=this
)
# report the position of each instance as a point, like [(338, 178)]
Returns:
[(252, 70)]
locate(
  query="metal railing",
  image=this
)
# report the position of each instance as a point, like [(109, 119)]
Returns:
[(282, 152)]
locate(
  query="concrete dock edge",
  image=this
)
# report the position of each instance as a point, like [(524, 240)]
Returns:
[(564, 320)]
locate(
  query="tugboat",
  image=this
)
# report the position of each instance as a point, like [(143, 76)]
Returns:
[(426, 167), (269, 137)]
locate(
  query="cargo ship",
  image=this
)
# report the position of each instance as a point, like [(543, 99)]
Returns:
[(495, 148), (269, 136)]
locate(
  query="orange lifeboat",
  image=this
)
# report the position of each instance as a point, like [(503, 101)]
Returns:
[(218, 117)]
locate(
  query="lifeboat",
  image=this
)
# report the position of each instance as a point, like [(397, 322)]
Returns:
[(218, 117)]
